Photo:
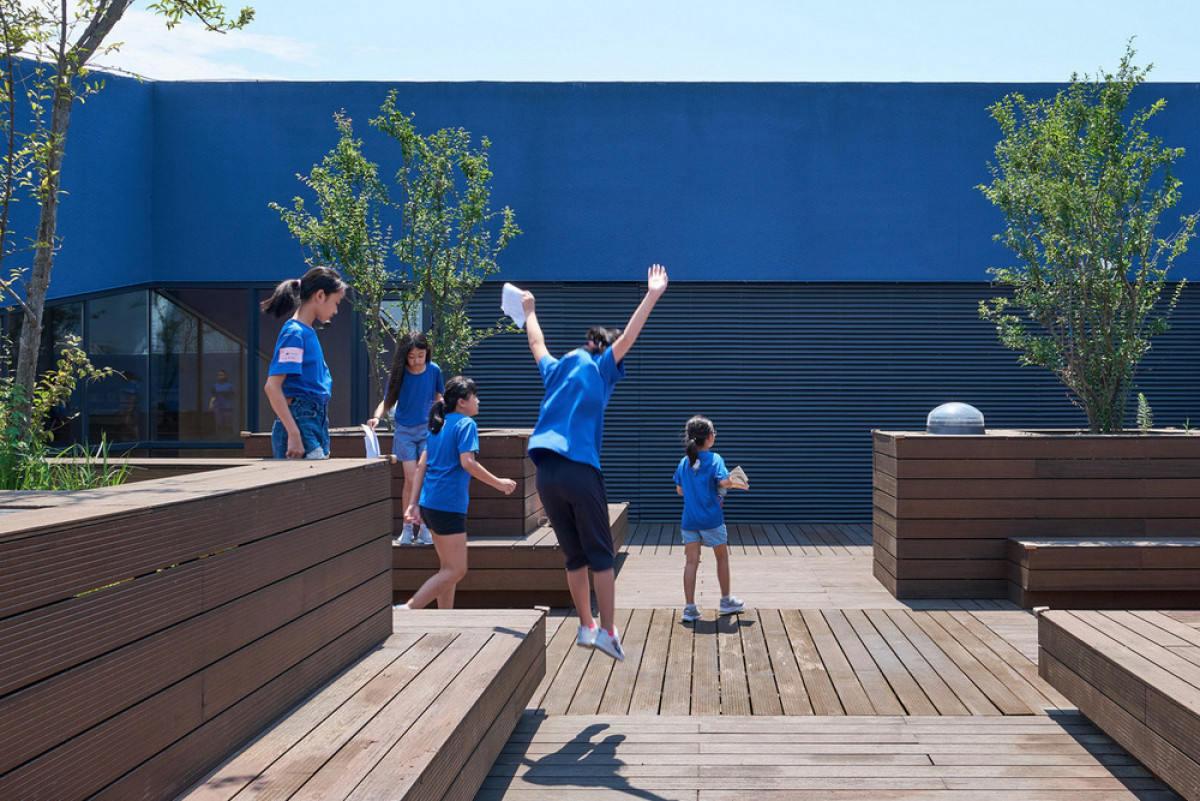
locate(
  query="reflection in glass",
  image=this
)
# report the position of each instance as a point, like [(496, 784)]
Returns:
[(199, 356), (119, 328)]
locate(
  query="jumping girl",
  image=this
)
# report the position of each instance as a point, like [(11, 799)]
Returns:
[(413, 385), (699, 478), (441, 482), (298, 384), (565, 445)]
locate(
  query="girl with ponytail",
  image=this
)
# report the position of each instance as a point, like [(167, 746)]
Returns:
[(298, 381), (565, 445), (439, 495), (700, 478)]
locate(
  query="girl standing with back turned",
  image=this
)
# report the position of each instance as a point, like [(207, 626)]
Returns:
[(565, 445), (699, 478), (299, 385)]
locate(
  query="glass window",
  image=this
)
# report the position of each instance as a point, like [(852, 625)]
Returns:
[(199, 364), (118, 337), (58, 323)]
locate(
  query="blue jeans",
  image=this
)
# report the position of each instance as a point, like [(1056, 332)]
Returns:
[(313, 422)]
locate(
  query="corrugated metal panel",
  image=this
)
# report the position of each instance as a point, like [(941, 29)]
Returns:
[(795, 376)]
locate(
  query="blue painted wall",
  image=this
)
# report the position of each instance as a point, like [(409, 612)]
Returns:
[(170, 182)]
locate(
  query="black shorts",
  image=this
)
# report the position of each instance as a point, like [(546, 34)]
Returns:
[(444, 523), (577, 505)]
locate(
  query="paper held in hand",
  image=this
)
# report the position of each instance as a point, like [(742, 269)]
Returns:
[(510, 304), (738, 476)]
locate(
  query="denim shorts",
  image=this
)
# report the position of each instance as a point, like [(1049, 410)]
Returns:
[(409, 442), (313, 422), (711, 537)]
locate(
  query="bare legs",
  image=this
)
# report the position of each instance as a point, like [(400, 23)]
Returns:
[(605, 585), (452, 557), (691, 551)]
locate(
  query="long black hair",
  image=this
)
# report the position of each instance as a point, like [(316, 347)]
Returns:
[(695, 433), (289, 295), (458, 388), (413, 339)]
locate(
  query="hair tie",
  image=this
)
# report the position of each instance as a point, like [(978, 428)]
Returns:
[(592, 343)]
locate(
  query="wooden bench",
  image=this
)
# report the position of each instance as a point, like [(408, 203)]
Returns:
[(1104, 572), (422, 717), (504, 451), (502, 571), (149, 630), (1137, 676)]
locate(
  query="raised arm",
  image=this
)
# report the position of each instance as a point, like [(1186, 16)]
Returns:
[(656, 284), (533, 330)]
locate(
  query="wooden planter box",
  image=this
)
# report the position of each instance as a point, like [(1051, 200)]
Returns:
[(503, 451), (946, 506), (149, 630)]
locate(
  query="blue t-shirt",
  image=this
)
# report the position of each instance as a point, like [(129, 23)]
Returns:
[(571, 420), (416, 395), (298, 357), (701, 501), (446, 483)]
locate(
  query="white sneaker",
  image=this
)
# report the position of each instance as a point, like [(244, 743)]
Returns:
[(425, 536), (585, 637), (401, 607), (610, 644), (690, 613), (731, 605), (405, 536)]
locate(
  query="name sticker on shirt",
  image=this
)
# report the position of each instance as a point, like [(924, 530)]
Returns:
[(295, 355)]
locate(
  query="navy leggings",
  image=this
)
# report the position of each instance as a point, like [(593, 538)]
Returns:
[(577, 505)]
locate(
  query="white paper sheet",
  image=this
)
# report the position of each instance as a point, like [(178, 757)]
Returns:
[(510, 304), (371, 440)]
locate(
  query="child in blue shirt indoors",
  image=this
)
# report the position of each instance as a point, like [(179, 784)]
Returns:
[(699, 478), (439, 491), (413, 385), (298, 381)]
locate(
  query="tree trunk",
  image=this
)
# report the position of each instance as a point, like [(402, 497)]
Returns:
[(43, 257)]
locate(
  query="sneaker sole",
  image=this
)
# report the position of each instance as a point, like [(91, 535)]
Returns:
[(733, 611)]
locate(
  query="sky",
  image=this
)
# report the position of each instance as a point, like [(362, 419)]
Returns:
[(669, 40)]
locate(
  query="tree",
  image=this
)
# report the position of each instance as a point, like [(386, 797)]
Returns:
[(349, 232), (445, 243), (430, 249), (60, 39), (1082, 184)]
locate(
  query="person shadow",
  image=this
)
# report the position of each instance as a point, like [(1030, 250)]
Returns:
[(584, 763)]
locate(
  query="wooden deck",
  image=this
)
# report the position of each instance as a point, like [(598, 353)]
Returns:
[(671, 758), (827, 687), (421, 717), (795, 662)]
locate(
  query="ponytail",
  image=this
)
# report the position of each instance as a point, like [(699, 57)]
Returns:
[(437, 416), (458, 388), (696, 432), (599, 339), (292, 293)]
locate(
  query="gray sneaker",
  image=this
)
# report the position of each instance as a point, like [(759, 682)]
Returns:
[(406, 537), (585, 637), (731, 605), (690, 613), (610, 644), (424, 537)]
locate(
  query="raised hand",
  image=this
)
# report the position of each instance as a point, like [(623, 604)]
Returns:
[(656, 279), (527, 303)]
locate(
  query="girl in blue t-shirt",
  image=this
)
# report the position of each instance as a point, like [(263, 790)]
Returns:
[(298, 381), (440, 488), (699, 478), (565, 445), (413, 385)]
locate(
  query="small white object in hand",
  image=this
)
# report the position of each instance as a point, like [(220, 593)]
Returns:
[(510, 304)]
